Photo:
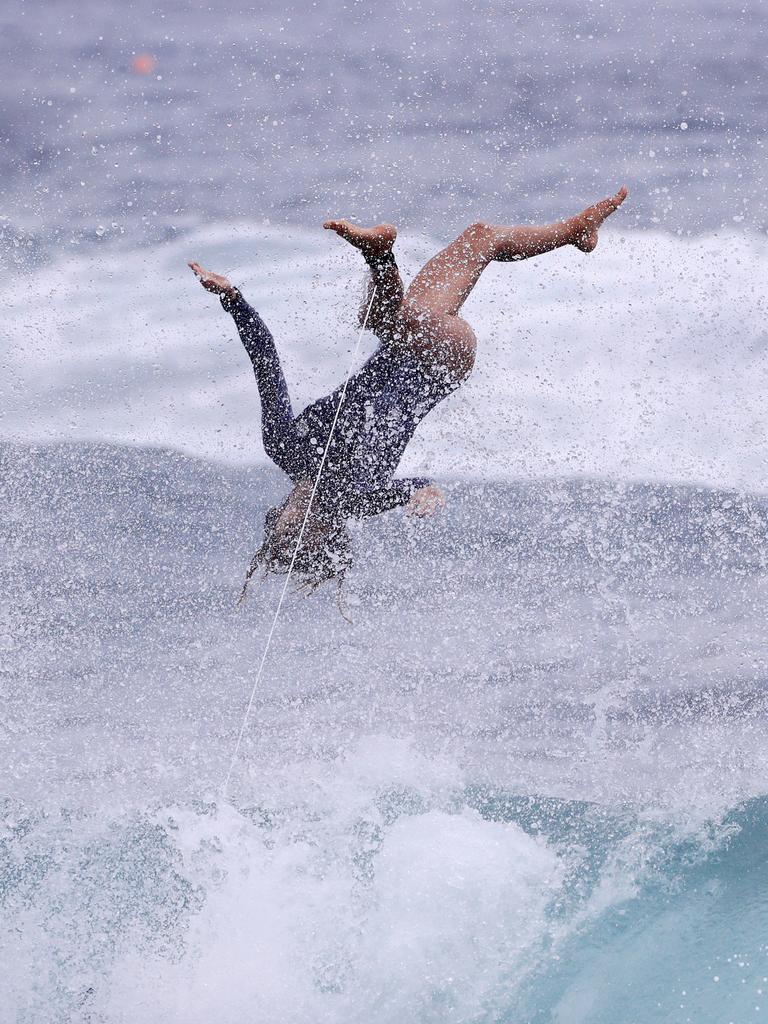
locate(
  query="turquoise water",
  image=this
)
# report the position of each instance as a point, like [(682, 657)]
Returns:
[(689, 946), (598, 918)]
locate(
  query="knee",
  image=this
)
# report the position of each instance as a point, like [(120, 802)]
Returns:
[(478, 240), (478, 232)]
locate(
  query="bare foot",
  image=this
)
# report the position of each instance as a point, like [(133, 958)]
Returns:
[(216, 283), (584, 226), (372, 242)]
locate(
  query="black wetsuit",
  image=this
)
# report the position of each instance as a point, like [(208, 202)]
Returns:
[(385, 401)]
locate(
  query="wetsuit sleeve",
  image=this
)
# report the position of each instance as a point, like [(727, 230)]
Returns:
[(282, 442), (371, 503)]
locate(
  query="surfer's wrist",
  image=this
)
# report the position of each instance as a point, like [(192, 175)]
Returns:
[(230, 298)]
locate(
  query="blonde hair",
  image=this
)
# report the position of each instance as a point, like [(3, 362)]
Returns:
[(314, 564)]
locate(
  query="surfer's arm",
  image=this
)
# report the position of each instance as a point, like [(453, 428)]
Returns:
[(250, 326), (399, 492)]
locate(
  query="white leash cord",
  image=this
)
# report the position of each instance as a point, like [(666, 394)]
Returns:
[(296, 551)]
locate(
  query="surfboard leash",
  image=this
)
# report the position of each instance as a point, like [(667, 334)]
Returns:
[(284, 591)]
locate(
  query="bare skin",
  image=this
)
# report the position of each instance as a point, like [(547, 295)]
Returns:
[(428, 315), (216, 283), (425, 318)]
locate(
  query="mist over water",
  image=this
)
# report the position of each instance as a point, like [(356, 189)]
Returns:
[(526, 781), (429, 114), (523, 761)]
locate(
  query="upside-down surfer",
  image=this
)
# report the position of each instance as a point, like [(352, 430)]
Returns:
[(426, 351)]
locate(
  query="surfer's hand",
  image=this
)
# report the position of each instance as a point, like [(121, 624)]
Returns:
[(216, 283), (425, 501)]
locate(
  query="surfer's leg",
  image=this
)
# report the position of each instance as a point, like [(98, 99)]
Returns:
[(444, 284), (437, 293), (384, 293)]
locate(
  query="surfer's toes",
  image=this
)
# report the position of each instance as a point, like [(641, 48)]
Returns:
[(601, 211)]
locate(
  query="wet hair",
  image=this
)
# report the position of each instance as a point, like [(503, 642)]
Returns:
[(315, 563)]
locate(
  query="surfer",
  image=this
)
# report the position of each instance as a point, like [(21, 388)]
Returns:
[(426, 351)]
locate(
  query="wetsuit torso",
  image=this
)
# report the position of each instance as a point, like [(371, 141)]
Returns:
[(385, 401)]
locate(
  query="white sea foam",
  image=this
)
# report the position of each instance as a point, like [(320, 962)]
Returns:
[(646, 360), (372, 898)]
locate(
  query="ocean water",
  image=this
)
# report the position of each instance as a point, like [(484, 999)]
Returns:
[(585, 366), (527, 781), (431, 113)]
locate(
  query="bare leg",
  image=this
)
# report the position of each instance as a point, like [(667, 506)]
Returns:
[(376, 244), (437, 293)]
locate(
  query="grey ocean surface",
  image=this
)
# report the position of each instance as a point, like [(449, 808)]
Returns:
[(527, 781), (428, 114), (591, 609)]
